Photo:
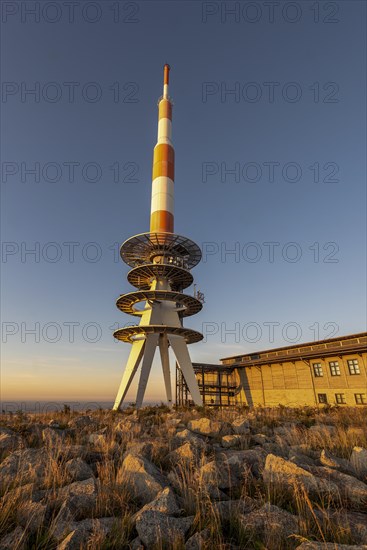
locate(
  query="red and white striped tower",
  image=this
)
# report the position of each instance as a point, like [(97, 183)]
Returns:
[(162, 216), (161, 262)]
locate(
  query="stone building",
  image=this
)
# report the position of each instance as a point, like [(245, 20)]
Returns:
[(332, 371)]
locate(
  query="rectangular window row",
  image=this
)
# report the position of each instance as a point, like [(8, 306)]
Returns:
[(360, 398), (353, 368)]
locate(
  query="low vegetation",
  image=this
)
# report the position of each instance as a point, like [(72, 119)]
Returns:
[(175, 479)]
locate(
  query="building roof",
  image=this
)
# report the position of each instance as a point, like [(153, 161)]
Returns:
[(212, 367), (349, 342)]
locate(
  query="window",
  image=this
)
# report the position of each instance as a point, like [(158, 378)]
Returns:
[(353, 366), (340, 398), (334, 368), (322, 398), (317, 370), (360, 398)]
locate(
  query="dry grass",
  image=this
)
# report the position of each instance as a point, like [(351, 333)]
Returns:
[(151, 425)]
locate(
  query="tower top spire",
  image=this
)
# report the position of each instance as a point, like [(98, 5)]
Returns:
[(163, 174), (166, 70)]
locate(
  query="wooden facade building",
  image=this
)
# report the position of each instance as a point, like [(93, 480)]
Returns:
[(332, 371)]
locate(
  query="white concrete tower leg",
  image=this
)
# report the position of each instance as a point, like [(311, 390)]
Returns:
[(163, 349), (149, 350), (133, 362), (181, 352)]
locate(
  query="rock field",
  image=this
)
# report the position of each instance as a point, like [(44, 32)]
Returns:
[(159, 478)]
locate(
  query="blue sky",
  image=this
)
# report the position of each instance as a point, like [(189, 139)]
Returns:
[(283, 93)]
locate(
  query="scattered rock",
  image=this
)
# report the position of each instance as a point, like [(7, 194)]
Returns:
[(85, 487), (287, 433), (348, 487), (283, 472), (81, 531), (78, 498), (205, 426), (229, 441), (31, 515), (136, 544), (186, 453), (15, 539), (165, 502), (214, 493), (304, 448), (196, 541), (300, 459), (215, 475), (273, 456), (141, 448), (267, 430), (78, 470), (358, 461), (269, 522), (241, 426), (9, 441), (19, 494), (260, 439), (81, 422), (277, 449), (355, 522), (173, 422), (153, 526), (143, 477), (186, 435), (24, 466), (53, 438), (331, 461), (93, 457), (68, 452), (61, 525), (223, 473), (239, 461), (129, 426), (98, 439)]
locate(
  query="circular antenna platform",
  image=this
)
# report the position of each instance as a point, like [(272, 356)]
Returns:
[(130, 334), (188, 304), (142, 276), (160, 248)]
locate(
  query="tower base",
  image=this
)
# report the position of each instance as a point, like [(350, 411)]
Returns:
[(143, 351)]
